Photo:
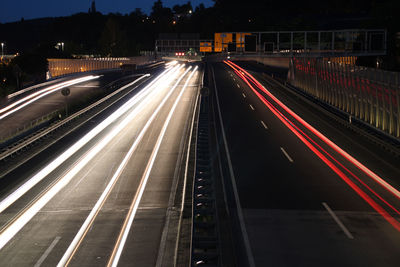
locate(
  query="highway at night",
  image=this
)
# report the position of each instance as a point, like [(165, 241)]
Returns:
[(295, 186), (105, 194), (311, 192), (205, 133)]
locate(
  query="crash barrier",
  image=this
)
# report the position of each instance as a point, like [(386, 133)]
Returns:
[(371, 95), (205, 241)]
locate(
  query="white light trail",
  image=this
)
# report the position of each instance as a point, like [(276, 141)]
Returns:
[(6, 202), (89, 220), (10, 109), (15, 226), (170, 64), (128, 223)]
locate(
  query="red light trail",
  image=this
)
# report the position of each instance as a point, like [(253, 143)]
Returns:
[(319, 151)]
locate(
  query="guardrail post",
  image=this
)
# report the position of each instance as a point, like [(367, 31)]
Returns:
[(377, 121), (370, 99), (362, 95), (397, 95), (345, 90), (383, 117), (337, 86), (390, 87)]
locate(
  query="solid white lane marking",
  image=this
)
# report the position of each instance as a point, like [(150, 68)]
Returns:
[(263, 124), (238, 85), (233, 180), (47, 252), (338, 221), (251, 107), (286, 154), (244, 96), (198, 101), (123, 235)]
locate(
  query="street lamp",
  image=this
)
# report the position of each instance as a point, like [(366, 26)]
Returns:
[(2, 51), (60, 46)]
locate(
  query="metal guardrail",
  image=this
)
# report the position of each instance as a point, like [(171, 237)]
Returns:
[(371, 95), (28, 126), (205, 250)]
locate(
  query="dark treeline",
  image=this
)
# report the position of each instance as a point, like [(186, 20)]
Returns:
[(127, 35), (117, 34)]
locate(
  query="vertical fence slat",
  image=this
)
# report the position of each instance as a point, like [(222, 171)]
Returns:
[(369, 94)]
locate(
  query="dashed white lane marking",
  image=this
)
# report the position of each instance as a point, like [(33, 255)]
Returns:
[(244, 96), (338, 221), (47, 252), (251, 107), (265, 126), (238, 85), (286, 154)]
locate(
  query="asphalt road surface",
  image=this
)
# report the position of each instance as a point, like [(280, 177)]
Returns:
[(79, 91), (110, 202), (303, 201)]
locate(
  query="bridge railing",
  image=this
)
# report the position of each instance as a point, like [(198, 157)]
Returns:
[(371, 95), (347, 42)]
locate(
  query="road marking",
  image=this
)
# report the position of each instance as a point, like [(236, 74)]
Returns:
[(47, 252), (123, 235), (286, 154), (251, 107), (244, 96), (55, 211), (198, 101), (265, 126), (72, 248), (233, 180), (238, 85), (337, 220)]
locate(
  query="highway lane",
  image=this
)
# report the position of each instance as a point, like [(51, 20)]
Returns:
[(56, 225), (297, 211), (22, 110)]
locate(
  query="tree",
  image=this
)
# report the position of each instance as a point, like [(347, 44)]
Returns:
[(113, 40), (161, 16)]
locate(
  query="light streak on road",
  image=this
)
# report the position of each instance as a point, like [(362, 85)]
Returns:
[(68, 255), (114, 259), (351, 159), (170, 64), (145, 96), (303, 137), (12, 108)]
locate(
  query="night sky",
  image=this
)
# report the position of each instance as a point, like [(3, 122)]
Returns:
[(13, 10)]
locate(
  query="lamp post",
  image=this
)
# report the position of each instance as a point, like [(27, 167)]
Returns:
[(2, 51), (60, 46)]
